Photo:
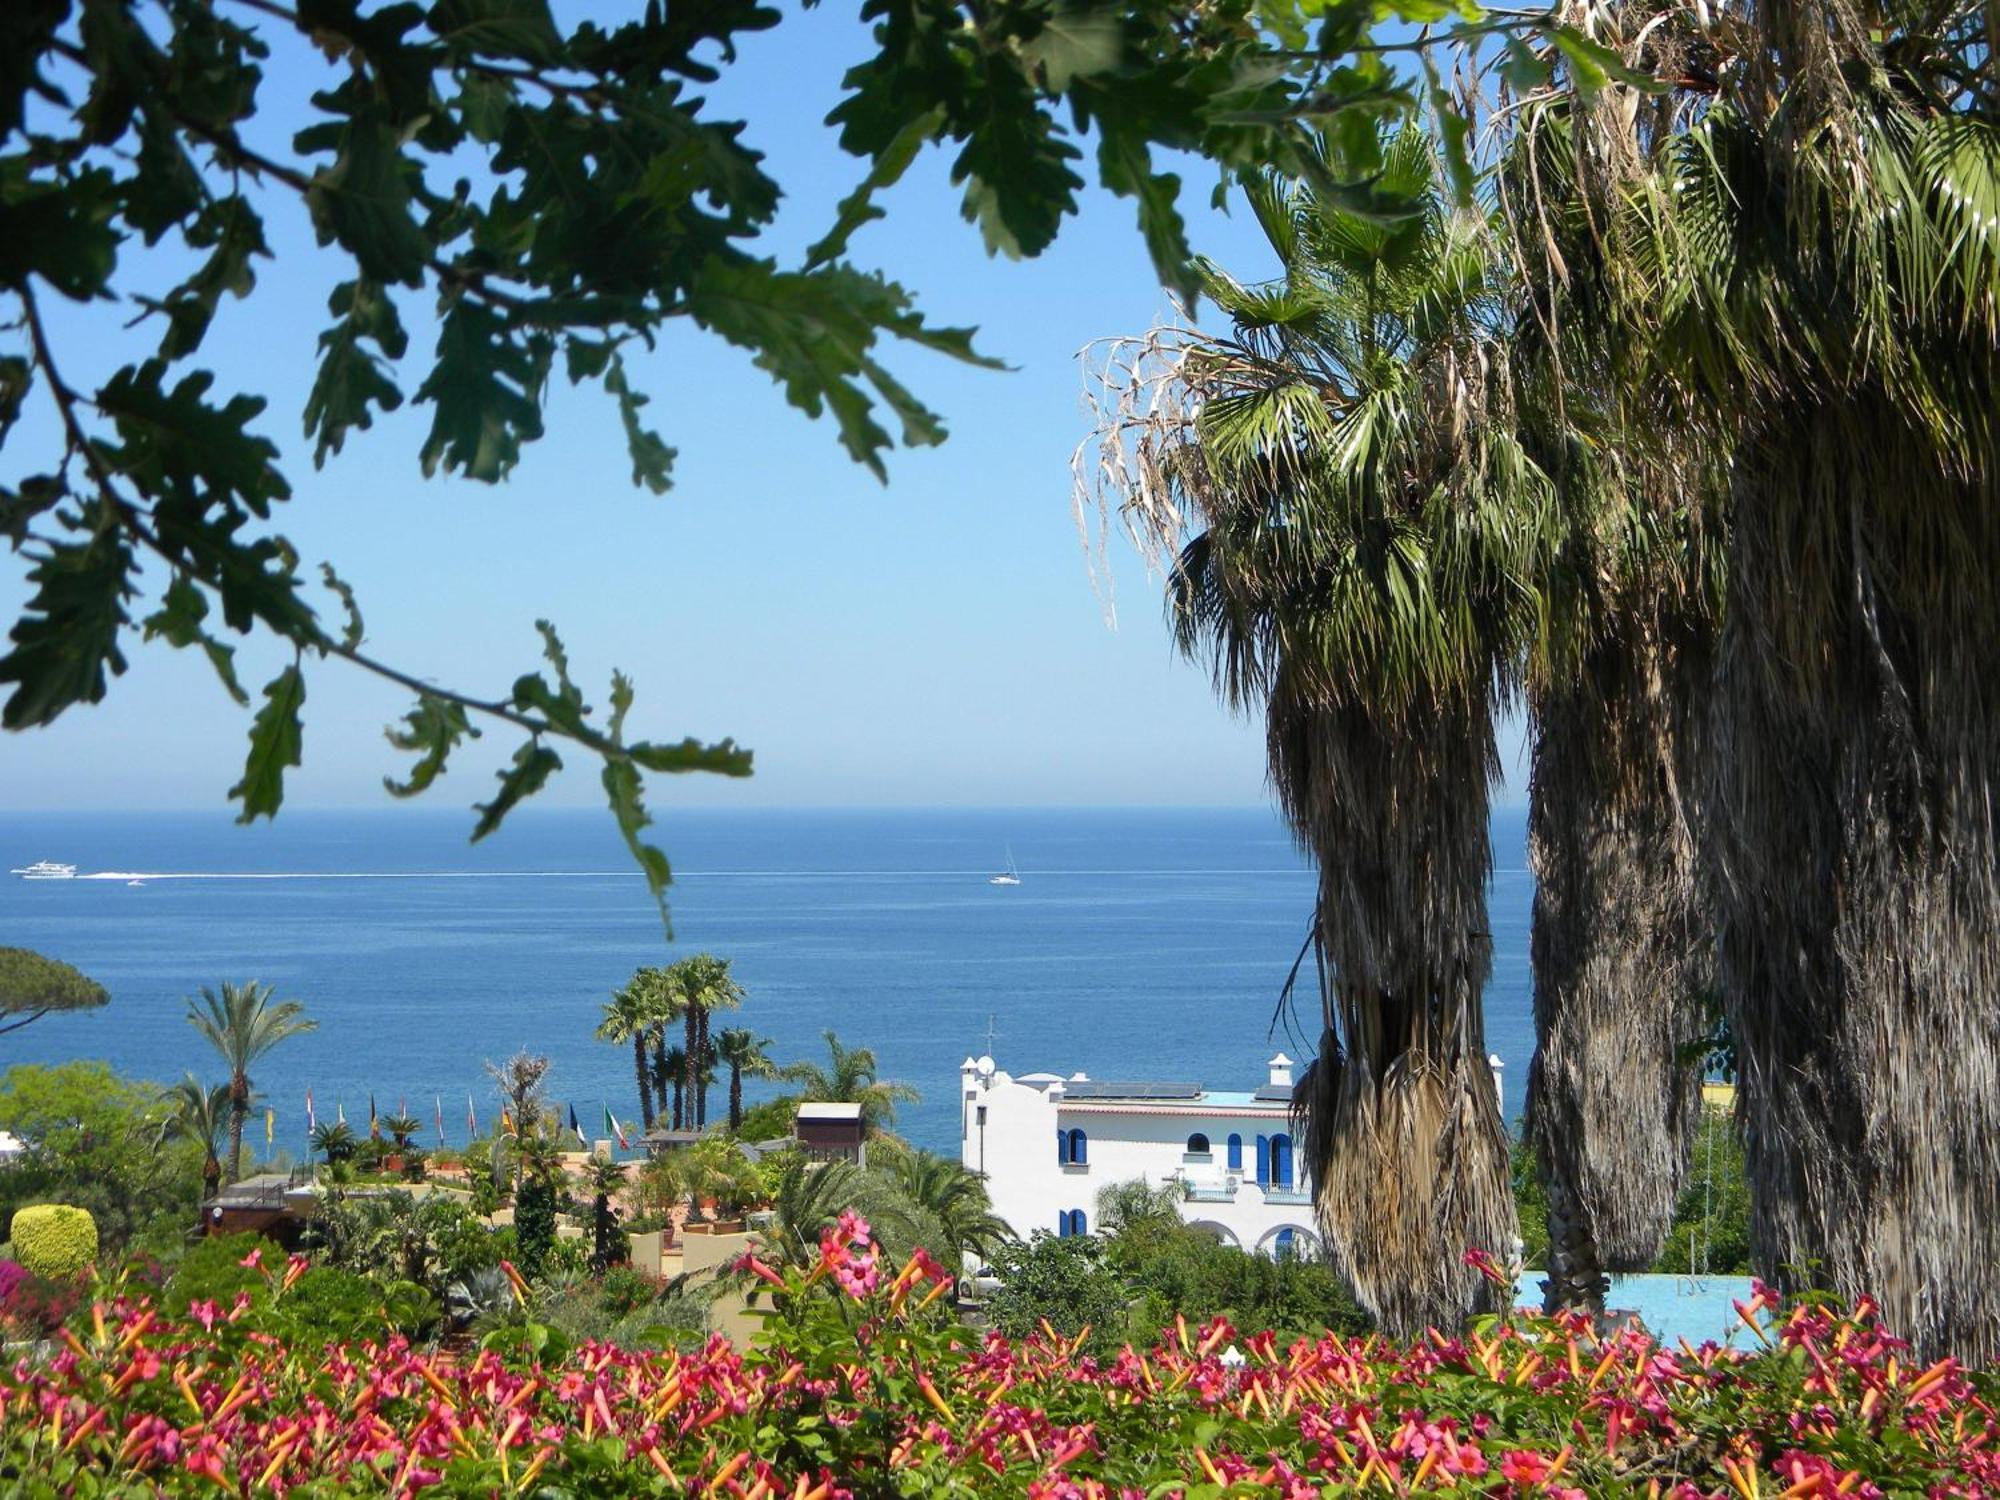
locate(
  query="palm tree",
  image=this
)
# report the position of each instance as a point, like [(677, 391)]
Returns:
[(629, 1018), (702, 984), (956, 1197), (1811, 278), (1630, 598), (849, 1077), (742, 1051), (200, 1113), (807, 1197), (242, 1024), (334, 1139), (1358, 530)]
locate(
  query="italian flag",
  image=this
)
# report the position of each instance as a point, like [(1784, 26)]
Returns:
[(611, 1124)]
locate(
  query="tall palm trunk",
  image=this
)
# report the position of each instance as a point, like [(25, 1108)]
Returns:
[(701, 1070), (1856, 874), (645, 1083), (689, 1088), (1398, 1115), (1619, 956), (663, 1085), (735, 1096), (239, 1111)]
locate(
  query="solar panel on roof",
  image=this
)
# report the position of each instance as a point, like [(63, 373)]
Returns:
[(1132, 1091), (1273, 1093)]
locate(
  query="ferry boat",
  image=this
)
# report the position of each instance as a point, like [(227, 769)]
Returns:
[(45, 869)]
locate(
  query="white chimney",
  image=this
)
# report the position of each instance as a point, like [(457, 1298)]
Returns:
[(1281, 1072)]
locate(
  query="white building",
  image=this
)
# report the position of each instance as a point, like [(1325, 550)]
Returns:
[(1047, 1145)]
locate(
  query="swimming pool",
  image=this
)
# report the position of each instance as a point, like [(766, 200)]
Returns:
[(1672, 1307)]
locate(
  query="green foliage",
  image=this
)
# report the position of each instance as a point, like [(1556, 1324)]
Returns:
[(1531, 1203), (54, 1240), (92, 1139), (1067, 1283), (1171, 1269), (770, 1120), (534, 1225), (31, 986), (430, 1241), (213, 1271), (1711, 1230)]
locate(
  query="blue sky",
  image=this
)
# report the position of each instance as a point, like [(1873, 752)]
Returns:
[(934, 641)]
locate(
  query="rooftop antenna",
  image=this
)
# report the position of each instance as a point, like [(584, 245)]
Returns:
[(990, 1034)]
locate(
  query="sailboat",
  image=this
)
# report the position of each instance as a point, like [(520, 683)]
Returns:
[(1010, 875)]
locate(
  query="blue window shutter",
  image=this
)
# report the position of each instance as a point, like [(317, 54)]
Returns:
[(1062, 1224), (1082, 1224), (1263, 1161), (1236, 1153), (1062, 1146), (1079, 1147), (1281, 1160)]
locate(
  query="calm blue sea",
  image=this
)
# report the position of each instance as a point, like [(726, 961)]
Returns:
[(1138, 944)]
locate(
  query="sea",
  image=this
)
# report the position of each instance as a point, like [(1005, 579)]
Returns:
[(1139, 944)]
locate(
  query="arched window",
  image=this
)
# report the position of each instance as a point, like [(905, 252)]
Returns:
[(1078, 1224), (1197, 1144), (1235, 1153), (1286, 1246), (1079, 1148), (1263, 1161), (1281, 1161)]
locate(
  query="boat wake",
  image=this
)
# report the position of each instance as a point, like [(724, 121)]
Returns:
[(150, 875)]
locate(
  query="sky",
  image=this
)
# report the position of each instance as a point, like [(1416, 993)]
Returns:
[(935, 641)]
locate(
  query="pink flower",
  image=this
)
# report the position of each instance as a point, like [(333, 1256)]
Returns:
[(254, 1261), (205, 1312), (1524, 1468)]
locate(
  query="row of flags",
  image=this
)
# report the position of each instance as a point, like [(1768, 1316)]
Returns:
[(611, 1122)]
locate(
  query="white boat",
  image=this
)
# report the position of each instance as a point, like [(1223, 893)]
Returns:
[(46, 869), (135, 882), (1010, 875)]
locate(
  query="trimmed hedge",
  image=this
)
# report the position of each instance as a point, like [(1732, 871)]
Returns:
[(54, 1240)]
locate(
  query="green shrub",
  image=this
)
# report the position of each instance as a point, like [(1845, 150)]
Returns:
[(330, 1305), (213, 1271), (54, 1240)]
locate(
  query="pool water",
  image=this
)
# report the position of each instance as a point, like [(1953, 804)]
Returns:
[(1695, 1308)]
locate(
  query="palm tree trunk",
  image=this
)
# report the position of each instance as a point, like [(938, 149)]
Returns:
[(645, 1084), (690, 1090), (735, 1097), (1855, 860), (662, 1085), (239, 1110), (1398, 1114), (1619, 956), (701, 1078), (680, 1114)]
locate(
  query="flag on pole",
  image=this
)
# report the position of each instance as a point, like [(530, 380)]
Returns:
[(576, 1129), (270, 1126), (440, 1118), (374, 1126), (611, 1124), (312, 1121)]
